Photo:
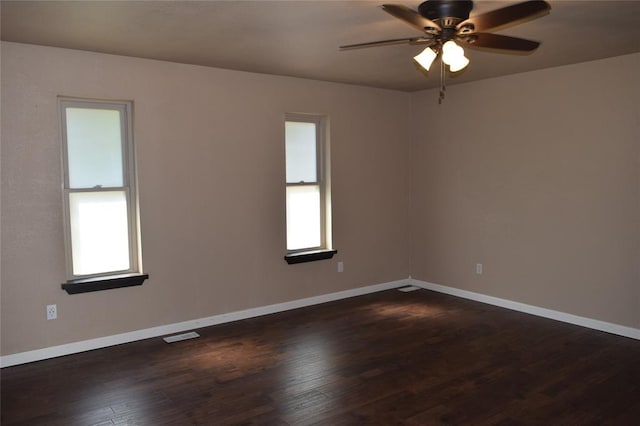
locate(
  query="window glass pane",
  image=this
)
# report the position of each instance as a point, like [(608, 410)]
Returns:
[(99, 232), (303, 217), (300, 140), (94, 148)]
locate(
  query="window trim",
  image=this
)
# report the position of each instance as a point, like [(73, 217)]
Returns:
[(103, 283), (323, 182), (129, 187), (309, 256)]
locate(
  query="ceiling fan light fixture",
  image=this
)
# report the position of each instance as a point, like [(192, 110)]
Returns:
[(444, 21), (425, 58), (453, 55), (459, 64)]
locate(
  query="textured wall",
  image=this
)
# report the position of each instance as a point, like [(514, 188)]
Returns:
[(537, 177), (210, 147), (534, 175)]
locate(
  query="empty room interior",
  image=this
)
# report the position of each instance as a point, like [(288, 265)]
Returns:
[(503, 199)]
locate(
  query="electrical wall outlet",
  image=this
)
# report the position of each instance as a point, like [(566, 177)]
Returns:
[(479, 268), (52, 312), (340, 267)]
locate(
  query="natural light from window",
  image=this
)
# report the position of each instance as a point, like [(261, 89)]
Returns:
[(303, 217), (99, 183), (304, 198), (94, 145), (99, 232)]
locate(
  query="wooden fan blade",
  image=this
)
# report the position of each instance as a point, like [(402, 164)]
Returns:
[(410, 16), (496, 41), (506, 16), (412, 40)]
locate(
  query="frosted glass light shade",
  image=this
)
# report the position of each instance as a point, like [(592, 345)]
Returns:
[(450, 50), (453, 55), (304, 229), (425, 58), (300, 140), (99, 232), (460, 63)]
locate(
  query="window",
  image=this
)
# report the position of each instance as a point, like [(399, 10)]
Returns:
[(307, 189), (100, 202)]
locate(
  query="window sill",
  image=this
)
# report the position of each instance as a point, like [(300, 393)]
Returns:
[(103, 283), (309, 256)]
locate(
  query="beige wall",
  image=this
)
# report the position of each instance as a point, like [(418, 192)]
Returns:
[(534, 175), (537, 177), (211, 172)]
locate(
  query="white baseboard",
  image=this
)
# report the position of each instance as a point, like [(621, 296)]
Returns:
[(620, 330), (103, 342)]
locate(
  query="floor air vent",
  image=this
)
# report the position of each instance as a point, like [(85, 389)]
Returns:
[(409, 288), (180, 337)]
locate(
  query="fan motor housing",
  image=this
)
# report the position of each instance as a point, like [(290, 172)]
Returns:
[(446, 12)]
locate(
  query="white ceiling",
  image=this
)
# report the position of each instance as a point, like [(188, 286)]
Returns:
[(301, 38)]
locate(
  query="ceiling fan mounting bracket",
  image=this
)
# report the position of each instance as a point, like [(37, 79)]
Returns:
[(446, 13), (467, 38), (448, 33), (466, 29)]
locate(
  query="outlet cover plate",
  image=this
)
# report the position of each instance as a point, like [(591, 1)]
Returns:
[(52, 312)]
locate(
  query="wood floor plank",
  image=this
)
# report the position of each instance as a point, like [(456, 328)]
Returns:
[(417, 358)]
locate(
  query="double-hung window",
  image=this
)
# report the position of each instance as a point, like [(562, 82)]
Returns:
[(100, 201), (307, 189)]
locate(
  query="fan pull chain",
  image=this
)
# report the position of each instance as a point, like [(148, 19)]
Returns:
[(443, 86)]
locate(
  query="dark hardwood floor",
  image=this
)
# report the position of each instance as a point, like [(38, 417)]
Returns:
[(416, 358)]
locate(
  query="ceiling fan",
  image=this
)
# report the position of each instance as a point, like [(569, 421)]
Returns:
[(445, 23)]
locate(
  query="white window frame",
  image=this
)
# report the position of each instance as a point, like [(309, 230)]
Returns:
[(322, 178), (129, 184)]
